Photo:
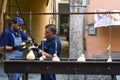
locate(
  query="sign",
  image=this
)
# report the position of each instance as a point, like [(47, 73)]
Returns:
[(104, 20)]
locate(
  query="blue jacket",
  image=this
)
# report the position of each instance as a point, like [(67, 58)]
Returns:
[(7, 38), (49, 46)]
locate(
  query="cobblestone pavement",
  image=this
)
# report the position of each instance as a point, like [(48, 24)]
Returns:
[(3, 76)]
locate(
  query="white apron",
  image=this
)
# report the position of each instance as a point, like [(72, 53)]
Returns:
[(15, 54)]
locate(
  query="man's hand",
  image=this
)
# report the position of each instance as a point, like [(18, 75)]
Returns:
[(35, 44), (20, 47), (34, 48)]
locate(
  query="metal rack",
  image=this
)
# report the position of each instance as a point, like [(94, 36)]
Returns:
[(65, 66)]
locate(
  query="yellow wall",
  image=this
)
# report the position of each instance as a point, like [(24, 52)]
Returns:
[(38, 22)]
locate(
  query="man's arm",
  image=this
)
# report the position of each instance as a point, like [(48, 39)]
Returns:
[(8, 48), (45, 53)]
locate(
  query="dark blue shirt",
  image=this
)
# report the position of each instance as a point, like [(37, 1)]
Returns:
[(49, 46), (7, 38)]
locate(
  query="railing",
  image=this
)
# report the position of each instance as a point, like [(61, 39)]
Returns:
[(65, 66)]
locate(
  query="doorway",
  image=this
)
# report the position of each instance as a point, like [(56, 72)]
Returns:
[(63, 23)]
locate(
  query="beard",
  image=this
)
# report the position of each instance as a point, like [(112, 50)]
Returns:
[(16, 30)]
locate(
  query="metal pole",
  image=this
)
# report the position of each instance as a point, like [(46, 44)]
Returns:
[(62, 13)]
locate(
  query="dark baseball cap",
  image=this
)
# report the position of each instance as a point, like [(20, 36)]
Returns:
[(18, 20)]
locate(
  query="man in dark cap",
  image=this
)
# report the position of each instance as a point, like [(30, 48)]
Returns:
[(12, 39)]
